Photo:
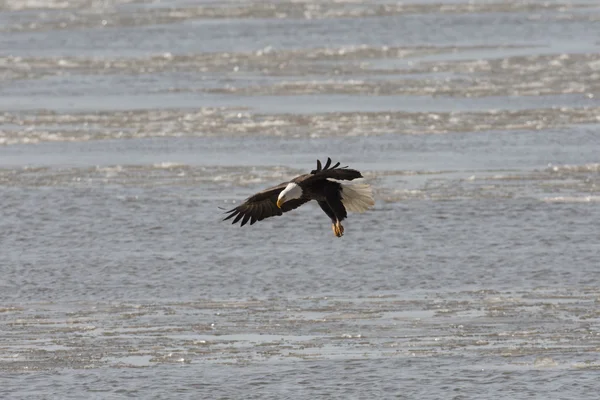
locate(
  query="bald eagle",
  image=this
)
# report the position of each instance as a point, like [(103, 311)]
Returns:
[(335, 198)]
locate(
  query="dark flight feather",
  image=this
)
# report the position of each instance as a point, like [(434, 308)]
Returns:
[(326, 168), (334, 172)]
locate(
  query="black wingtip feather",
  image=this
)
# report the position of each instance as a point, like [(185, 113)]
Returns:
[(245, 220), (327, 167), (231, 214), (237, 218)]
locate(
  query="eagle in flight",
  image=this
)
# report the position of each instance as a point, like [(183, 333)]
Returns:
[(321, 184)]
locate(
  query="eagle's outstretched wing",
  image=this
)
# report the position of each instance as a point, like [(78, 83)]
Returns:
[(263, 205), (333, 172)]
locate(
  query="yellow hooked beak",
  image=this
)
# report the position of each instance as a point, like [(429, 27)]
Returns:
[(280, 202)]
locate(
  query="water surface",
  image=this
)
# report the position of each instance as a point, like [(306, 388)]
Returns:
[(125, 126)]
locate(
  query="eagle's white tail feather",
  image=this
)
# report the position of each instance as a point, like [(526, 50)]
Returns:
[(357, 197)]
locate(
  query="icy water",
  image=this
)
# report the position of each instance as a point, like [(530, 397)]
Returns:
[(125, 125)]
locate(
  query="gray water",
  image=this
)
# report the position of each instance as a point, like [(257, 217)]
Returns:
[(126, 125)]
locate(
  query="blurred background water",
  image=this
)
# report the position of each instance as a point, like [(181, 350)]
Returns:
[(125, 125)]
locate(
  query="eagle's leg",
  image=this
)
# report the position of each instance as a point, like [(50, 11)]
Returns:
[(336, 226), (338, 229)]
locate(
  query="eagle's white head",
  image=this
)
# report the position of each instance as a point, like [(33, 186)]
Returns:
[(292, 191)]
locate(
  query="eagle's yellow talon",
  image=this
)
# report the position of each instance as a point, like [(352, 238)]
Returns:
[(338, 229)]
